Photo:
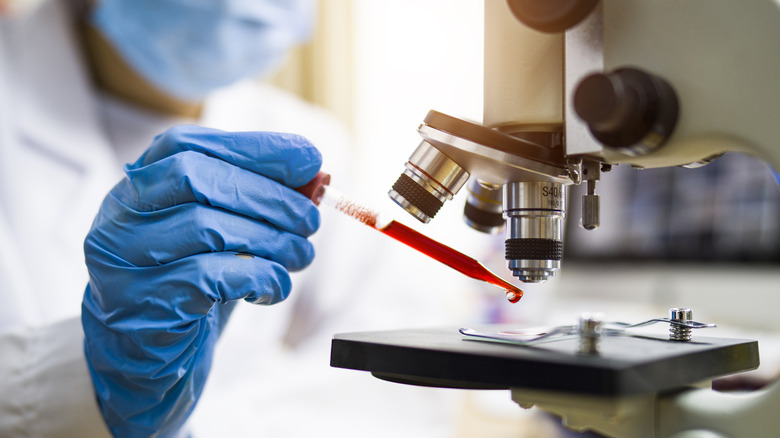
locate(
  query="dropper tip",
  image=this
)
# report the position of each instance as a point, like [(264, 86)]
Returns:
[(513, 296)]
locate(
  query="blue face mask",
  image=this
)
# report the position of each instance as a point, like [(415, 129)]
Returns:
[(189, 48)]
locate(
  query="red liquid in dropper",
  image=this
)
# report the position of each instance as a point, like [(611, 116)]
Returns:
[(436, 250), (450, 257)]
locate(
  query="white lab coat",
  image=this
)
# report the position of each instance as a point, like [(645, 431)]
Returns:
[(48, 133), (61, 146)]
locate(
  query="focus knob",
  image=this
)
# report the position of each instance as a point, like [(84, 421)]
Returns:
[(551, 16), (629, 110)]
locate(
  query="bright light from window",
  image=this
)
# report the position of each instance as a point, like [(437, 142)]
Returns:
[(412, 56)]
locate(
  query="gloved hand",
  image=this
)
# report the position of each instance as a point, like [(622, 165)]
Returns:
[(202, 219)]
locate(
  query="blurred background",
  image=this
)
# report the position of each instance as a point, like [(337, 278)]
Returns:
[(706, 239), (380, 67)]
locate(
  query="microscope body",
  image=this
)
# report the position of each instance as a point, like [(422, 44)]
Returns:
[(573, 87)]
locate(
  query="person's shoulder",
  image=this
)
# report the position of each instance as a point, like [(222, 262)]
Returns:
[(256, 105)]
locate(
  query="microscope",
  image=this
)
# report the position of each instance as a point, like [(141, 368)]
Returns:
[(572, 88)]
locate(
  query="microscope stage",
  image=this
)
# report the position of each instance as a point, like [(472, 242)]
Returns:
[(625, 365)]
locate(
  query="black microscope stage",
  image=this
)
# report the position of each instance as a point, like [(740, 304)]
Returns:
[(625, 365)]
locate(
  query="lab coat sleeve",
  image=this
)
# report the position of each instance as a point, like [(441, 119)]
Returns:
[(45, 387)]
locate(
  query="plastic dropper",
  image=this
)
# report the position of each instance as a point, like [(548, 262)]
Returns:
[(320, 191)]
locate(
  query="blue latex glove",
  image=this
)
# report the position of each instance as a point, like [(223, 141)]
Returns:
[(168, 258)]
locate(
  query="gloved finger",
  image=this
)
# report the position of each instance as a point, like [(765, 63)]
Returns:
[(287, 158), (223, 277), (192, 177), (180, 292), (163, 236)]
